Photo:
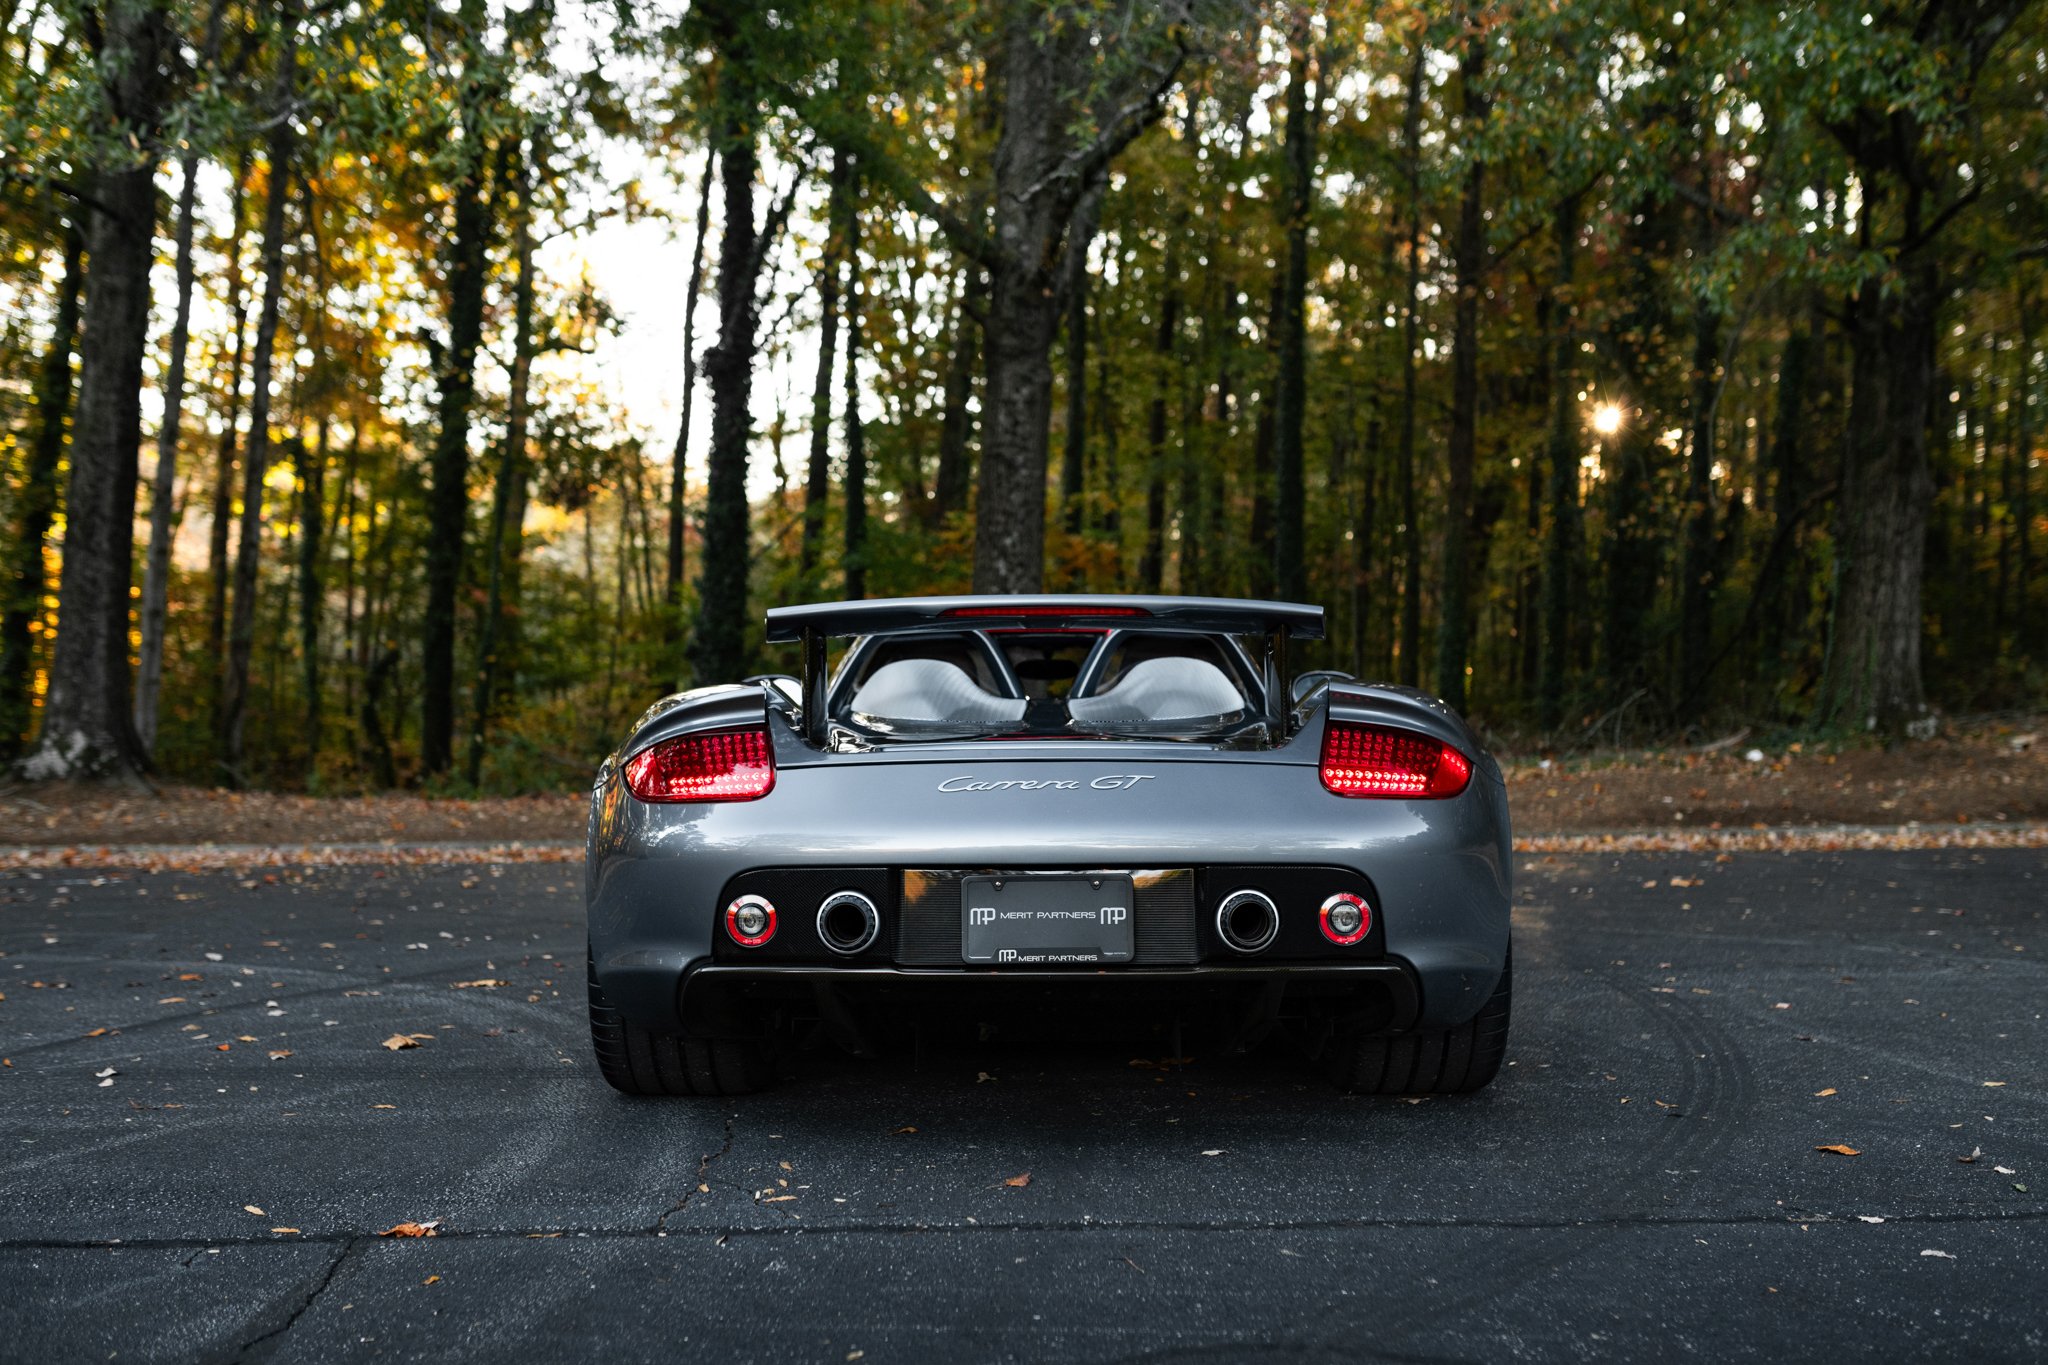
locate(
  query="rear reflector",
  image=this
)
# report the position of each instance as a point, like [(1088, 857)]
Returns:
[(1365, 760), (731, 765), (1346, 919), (750, 920)]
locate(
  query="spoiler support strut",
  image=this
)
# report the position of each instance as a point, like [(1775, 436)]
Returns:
[(814, 688)]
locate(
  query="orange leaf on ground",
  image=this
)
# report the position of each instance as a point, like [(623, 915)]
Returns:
[(429, 1228), (1019, 1181), (482, 983), (398, 1041), (1839, 1149)]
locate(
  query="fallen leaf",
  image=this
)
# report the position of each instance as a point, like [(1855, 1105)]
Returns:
[(431, 1279), (251, 1208), (1971, 1159), (102, 1075), (1993, 1085), (481, 983), (429, 1228), (1214, 1151), (280, 1054), (97, 1033), (779, 1199), (383, 1106), (2005, 1170), (906, 1128), (286, 1232), (1018, 1182), (1839, 1149), (1868, 1218), (1829, 1091), (1945, 1255), (223, 1047), (398, 1041)]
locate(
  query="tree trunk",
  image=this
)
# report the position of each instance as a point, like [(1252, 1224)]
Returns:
[(36, 508), (1561, 459), (1454, 577), (1696, 592), (448, 497), (719, 652), (1290, 572), (1040, 176), (223, 500), (855, 557), (249, 550), (1074, 287), (679, 464), (163, 493), (1873, 670), (508, 485), (956, 424), (1408, 668), (1152, 562), (88, 727), (818, 473)]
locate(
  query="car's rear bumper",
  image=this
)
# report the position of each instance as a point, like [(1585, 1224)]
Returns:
[(715, 999)]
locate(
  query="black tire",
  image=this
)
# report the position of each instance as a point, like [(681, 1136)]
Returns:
[(1454, 1062), (636, 1061)]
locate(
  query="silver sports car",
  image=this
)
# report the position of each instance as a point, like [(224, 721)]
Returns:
[(1080, 810)]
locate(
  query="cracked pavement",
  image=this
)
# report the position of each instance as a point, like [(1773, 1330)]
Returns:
[(1641, 1181)]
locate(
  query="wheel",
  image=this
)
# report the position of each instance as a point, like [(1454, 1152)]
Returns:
[(1454, 1062), (638, 1062)]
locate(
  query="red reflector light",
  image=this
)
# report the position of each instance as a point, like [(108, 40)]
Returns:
[(1346, 919), (1365, 760), (1046, 611), (731, 765), (750, 920)]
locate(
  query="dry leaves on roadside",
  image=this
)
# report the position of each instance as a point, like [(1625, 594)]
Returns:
[(481, 983), (1839, 1149), (1018, 1182), (430, 1228), (398, 1041)]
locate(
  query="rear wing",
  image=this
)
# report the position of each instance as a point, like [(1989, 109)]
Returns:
[(814, 623)]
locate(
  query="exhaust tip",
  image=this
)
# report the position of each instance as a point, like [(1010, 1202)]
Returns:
[(848, 922), (1248, 921)]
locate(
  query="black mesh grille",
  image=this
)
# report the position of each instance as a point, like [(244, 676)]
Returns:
[(930, 917)]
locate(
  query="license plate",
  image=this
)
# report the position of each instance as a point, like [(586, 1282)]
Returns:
[(1045, 920)]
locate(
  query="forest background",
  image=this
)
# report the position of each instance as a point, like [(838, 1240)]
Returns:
[(1613, 370)]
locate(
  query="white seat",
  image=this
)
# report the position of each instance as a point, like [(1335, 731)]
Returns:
[(932, 692), (1161, 690)]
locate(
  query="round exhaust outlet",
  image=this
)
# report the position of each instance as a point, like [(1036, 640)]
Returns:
[(1248, 920), (848, 922)]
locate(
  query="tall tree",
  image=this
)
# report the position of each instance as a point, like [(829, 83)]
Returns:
[(249, 550), (36, 506), (679, 463), (88, 728), (163, 489), (1409, 663), (855, 554), (1290, 572), (818, 471), (472, 231), (735, 33), (1470, 260)]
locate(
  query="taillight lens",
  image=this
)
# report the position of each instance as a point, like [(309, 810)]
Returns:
[(1365, 760), (731, 765)]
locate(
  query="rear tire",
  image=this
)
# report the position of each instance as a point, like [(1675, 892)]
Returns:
[(637, 1061), (1455, 1061)]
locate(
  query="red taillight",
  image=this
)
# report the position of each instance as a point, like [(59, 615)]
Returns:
[(1045, 611), (1364, 760), (732, 765)]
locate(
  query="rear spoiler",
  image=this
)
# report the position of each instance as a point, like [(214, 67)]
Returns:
[(814, 623)]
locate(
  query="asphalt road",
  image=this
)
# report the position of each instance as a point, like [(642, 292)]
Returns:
[(1641, 1183)]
